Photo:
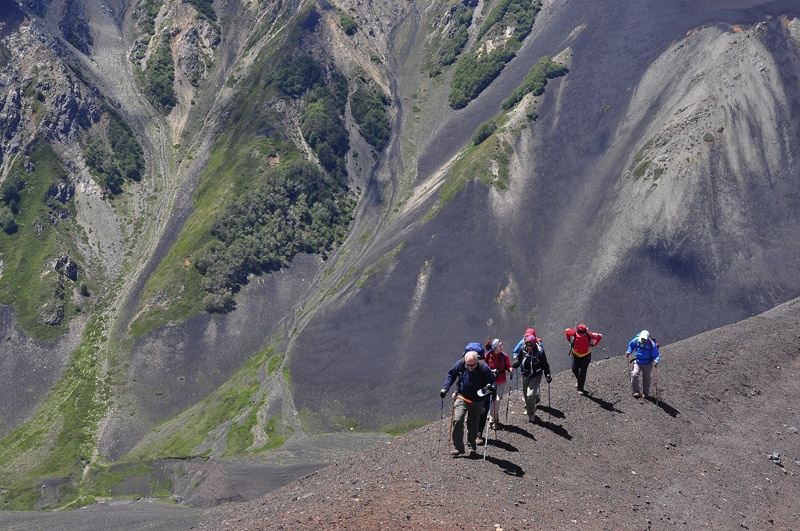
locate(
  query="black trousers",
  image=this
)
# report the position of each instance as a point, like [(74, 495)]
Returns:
[(579, 368)]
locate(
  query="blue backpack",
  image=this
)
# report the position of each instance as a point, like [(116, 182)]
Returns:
[(477, 347)]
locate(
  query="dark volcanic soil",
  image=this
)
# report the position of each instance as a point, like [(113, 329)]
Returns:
[(719, 449)]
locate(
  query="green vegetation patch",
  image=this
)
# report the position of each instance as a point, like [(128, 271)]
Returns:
[(37, 214), (476, 70), (259, 203), (59, 441), (159, 77), (294, 208), (403, 427), (205, 8), (535, 81), (383, 263), (452, 41), (116, 155), (347, 23), (368, 105), (235, 404), (145, 14), (487, 162)]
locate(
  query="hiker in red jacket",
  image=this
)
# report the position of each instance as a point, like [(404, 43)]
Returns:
[(500, 363), (581, 341)]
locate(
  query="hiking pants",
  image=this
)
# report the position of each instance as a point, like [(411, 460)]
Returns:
[(471, 412), (531, 391), (580, 365), (501, 391), (646, 369)]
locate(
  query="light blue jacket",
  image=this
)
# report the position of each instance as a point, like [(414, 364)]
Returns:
[(647, 353)]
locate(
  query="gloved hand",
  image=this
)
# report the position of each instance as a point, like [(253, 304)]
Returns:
[(442, 393), (549, 378), (495, 372), (487, 390)]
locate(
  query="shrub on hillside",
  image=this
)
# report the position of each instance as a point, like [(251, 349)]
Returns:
[(294, 208), (483, 132), (160, 78), (368, 106), (7, 221), (535, 81)]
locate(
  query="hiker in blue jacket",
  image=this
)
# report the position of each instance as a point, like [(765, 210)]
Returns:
[(646, 355), (471, 376)]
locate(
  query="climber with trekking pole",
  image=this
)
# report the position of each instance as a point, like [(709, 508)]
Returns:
[(532, 362), (499, 362), (646, 355), (470, 375)]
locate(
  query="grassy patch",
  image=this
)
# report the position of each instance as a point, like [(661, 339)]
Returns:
[(45, 230), (383, 263), (403, 427), (236, 404), (59, 441)]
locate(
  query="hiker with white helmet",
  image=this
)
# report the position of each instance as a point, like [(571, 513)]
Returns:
[(646, 355), (474, 380)]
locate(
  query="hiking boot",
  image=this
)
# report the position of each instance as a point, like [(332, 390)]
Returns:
[(480, 441), (576, 385), (532, 418), (581, 392), (636, 395), (493, 426), (473, 451), (456, 452)]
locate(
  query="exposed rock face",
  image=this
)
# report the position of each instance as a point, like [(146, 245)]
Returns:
[(62, 106)]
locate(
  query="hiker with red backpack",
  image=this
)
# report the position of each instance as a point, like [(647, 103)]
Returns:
[(581, 341), (531, 359), (646, 355), (475, 382), (499, 362)]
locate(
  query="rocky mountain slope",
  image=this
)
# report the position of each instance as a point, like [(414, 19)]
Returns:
[(652, 183), (717, 447)]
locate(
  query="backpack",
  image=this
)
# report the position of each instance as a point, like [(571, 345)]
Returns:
[(531, 361), (499, 360), (477, 347)]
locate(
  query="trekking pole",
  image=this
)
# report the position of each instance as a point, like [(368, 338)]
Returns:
[(486, 432), (549, 412), (441, 416), (508, 398), (452, 419), (657, 405)]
